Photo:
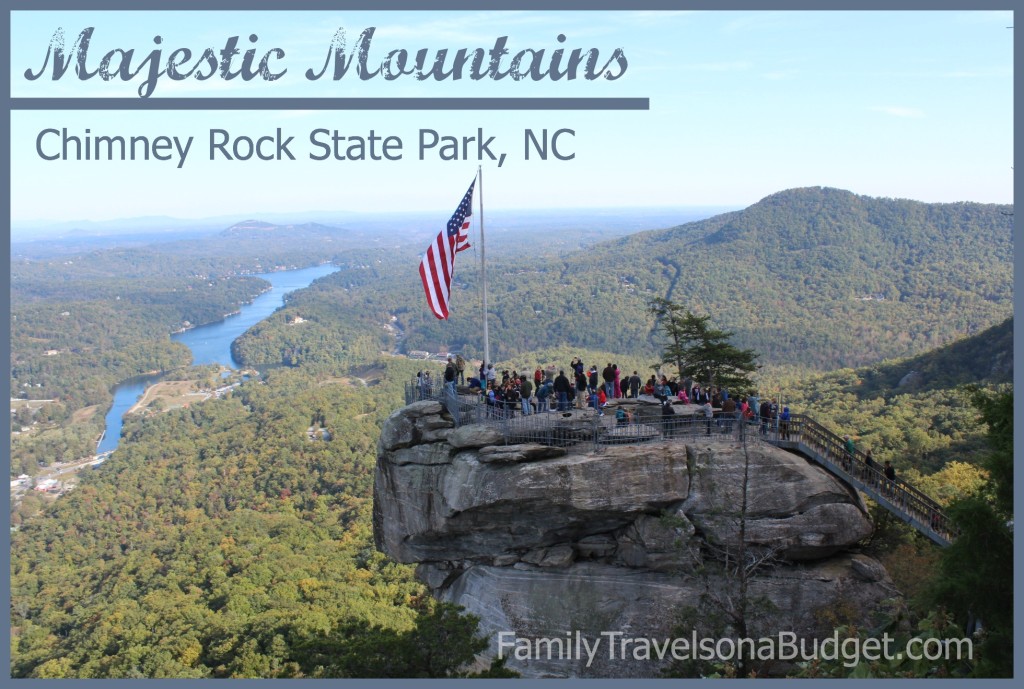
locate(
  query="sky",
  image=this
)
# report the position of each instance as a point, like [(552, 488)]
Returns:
[(743, 104)]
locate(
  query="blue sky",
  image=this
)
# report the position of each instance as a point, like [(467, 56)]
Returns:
[(743, 104)]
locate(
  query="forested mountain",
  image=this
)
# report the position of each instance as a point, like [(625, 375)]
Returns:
[(811, 278), (916, 412)]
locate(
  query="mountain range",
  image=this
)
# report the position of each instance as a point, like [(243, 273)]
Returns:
[(812, 277)]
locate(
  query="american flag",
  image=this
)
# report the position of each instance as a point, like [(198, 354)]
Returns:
[(438, 264)]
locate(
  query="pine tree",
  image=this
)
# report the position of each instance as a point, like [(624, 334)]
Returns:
[(702, 352)]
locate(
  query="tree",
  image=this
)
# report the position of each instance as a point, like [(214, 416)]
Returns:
[(702, 352), (442, 643), (976, 570)]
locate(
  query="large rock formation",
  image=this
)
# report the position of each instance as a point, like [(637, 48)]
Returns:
[(543, 542)]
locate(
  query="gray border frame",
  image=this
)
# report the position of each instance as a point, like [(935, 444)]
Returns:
[(478, 5)]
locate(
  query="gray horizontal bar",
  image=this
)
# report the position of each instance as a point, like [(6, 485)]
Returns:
[(330, 104), (474, 5)]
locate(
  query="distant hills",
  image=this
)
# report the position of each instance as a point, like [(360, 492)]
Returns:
[(982, 359), (252, 229), (812, 277), (914, 411)]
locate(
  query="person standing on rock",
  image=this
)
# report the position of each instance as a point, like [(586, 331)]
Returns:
[(668, 419), (754, 405), (513, 399), (450, 375), (460, 368), (766, 416), (609, 380), (563, 388), (526, 392), (634, 385), (543, 397), (581, 389), (728, 413)]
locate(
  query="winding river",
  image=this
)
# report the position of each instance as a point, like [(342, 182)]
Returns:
[(211, 343)]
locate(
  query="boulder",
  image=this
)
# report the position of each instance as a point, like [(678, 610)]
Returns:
[(792, 506), (597, 546), (474, 435), (432, 453), (658, 543), (556, 556), (407, 426), (472, 508), (510, 454)]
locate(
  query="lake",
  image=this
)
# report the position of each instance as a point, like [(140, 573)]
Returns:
[(211, 343)]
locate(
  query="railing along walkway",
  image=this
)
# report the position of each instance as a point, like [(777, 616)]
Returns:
[(821, 445), (802, 435)]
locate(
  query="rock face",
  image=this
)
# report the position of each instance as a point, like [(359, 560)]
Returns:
[(541, 541)]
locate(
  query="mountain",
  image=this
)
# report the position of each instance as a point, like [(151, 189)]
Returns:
[(982, 359), (811, 277), (915, 411)]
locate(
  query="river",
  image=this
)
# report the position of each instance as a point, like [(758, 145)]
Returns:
[(211, 343)]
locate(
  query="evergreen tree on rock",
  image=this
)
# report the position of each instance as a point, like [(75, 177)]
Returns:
[(702, 352)]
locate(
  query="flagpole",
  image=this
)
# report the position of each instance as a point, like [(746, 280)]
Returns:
[(483, 263)]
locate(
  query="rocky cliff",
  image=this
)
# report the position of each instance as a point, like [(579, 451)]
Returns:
[(546, 543)]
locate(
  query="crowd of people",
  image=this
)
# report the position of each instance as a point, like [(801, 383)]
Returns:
[(579, 387), (550, 389)]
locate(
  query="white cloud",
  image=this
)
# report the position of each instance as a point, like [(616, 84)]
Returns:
[(898, 111)]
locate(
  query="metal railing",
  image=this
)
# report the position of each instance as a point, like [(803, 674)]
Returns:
[(896, 495), (575, 425), (586, 430)]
